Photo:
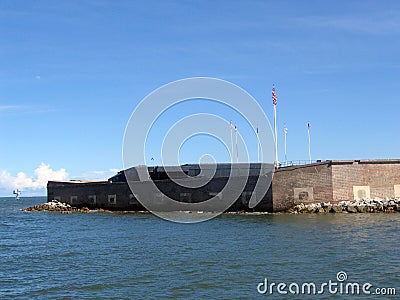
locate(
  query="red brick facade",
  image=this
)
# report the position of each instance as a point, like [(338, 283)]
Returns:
[(307, 184), (380, 176), (335, 181)]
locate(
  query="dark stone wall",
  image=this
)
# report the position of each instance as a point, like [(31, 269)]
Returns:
[(118, 196), (94, 195)]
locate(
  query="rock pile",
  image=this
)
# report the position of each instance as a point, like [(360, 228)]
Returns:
[(57, 206), (356, 206)]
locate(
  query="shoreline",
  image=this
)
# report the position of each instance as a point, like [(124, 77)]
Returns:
[(356, 206)]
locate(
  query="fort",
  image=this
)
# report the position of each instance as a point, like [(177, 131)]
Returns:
[(326, 181)]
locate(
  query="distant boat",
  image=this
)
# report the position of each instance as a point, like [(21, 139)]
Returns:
[(17, 192)]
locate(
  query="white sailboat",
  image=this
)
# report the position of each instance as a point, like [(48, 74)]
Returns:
[(17, 192)]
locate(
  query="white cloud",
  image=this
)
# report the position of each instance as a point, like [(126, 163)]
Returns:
[(9, 107), (36, 184), (98, 175), (6, 108), (42, 175)]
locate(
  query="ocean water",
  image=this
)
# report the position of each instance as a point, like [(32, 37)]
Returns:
[(139, 256)]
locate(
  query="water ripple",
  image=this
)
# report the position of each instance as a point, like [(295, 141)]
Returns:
[(86, 256)]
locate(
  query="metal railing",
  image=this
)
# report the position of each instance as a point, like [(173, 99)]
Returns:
[(299, 162)]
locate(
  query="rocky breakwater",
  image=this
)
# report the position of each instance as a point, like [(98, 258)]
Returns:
[(356, 206), (57, 206)]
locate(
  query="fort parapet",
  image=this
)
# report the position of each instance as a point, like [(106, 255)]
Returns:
[(328, 181)]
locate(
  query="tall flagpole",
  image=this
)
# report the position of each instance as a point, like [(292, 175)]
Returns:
[(232, 154), (274, 102), (258, 146), (309, 142), (285, 130), (237, 152)]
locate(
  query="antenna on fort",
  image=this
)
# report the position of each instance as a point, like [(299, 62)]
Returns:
[(274, 102), (285, 130), (309, 141)]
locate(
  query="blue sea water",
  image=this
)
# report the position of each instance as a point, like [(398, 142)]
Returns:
[(47, 255)]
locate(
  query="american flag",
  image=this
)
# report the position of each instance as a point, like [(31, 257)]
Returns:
[(274, 98)]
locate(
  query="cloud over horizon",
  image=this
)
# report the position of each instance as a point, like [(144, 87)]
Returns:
[(36, 184), (42, 175)]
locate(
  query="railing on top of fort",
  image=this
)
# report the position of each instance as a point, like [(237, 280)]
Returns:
[(299, 162)]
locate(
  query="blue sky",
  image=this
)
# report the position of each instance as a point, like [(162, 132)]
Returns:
[(71, 73)]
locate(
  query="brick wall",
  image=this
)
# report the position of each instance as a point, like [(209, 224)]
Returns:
[(379, 176), (306, 184)]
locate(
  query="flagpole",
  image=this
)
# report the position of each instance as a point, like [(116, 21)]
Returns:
[(274, 101), (285, 130), (232, 154), (276, 139), (258, 146), (237, 152), (309, 142)]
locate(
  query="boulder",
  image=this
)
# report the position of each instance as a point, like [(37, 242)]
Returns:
[(336, 209), (351, 209), (362, 208), (310, 209)]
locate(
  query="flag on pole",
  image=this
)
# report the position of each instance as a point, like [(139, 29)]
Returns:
[(274, 97), (308, 125), (274, 101)]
